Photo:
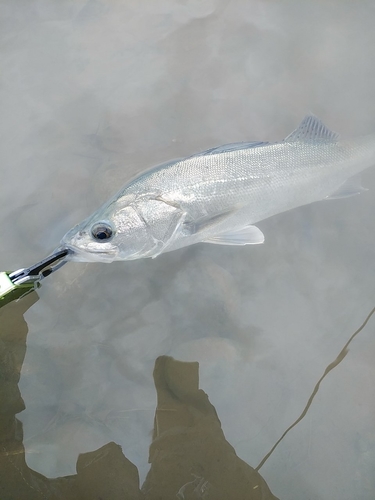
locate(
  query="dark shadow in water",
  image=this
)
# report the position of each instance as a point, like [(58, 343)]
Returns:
[(189, 455)]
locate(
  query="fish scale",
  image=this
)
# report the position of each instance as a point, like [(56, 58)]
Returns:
[(217, 196)]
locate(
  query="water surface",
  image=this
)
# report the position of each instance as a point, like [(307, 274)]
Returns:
[(93, 92)]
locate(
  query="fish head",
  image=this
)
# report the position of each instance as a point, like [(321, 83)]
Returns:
[(117, 233)]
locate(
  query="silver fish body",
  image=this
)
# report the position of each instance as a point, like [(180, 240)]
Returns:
[(217, 196)]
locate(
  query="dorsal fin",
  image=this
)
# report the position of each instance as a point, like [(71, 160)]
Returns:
[(312, 129), (234, 146)]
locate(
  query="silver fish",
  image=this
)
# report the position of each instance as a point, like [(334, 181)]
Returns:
[(218, 195)]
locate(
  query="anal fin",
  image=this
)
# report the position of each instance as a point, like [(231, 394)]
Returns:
[(351, 187)]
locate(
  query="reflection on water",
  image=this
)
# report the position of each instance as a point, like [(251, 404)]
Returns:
[(344, 351), (189, 455)]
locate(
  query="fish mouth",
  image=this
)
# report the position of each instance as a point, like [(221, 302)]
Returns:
[(77, 254)]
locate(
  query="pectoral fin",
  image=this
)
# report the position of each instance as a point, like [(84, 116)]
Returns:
[(205, 223), (249, 235)]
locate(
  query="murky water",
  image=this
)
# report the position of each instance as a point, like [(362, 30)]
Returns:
[(95, 91)]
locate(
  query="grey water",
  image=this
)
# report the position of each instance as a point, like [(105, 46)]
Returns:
[(93, 92)]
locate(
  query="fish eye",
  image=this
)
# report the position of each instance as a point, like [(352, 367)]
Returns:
[(102, 231)]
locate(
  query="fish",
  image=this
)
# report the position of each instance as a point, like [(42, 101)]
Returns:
[(218, 195)]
